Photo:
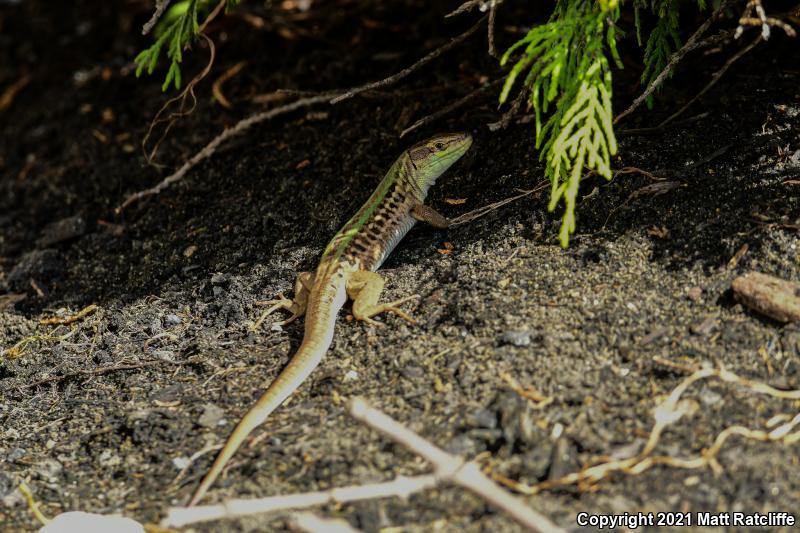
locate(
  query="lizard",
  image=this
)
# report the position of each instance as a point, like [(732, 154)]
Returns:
[(347, 269)]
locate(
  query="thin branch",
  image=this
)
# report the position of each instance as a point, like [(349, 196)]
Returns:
[(216, 87), (761, 19), (416, 66), (508, 115), (691, 44), (451, 468), (490, 30), (713, 81), (469, 5), (185, 95), (658, 129), (209, 149), (450, 107), (244, 124), (161, 6), (401, 487), (482, 211), (669, 412)]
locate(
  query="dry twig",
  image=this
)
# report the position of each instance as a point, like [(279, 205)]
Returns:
[(761, 19), (774, 297), (399, 487), (449, 108), (7, 97), (482, 211), (216, 87), (209, 149), (186, 95), (9, 300), (394, 78), (244, 124), (453, 469), (448, 468), (161, 6), (670, 411), (66, 320)]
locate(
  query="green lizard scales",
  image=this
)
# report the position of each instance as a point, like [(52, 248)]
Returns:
[(347, 269)]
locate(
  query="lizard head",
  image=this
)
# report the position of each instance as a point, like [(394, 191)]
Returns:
[(433, 157)]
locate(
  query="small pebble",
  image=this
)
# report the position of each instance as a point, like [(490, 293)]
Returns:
[(41, 265), (62, 230), (219, 278), (212, 416), (181, 462), (15, 454), (695, 294), (172, 320), (516, 338)]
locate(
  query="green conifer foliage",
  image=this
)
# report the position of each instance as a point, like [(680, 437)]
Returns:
[(565, 67)]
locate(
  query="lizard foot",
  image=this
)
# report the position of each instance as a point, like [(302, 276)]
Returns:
[(391, 307), (279, 303)]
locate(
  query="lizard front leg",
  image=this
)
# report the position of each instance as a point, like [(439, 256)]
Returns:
[(296, 306), (364, 288), (425, 213)]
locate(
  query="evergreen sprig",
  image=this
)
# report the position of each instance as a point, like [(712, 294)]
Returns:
[(175, 32), (664, 39), (565, 65)]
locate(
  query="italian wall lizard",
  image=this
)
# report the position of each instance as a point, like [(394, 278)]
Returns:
[(347, 269)]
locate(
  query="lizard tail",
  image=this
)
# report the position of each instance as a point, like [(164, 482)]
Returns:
[(319, 324)]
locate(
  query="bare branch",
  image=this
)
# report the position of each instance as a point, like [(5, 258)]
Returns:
[(451, 468), (400, 487), (161, 6), (209, 149), (449, 108), (761, 19), (416, 66), (244, 124)]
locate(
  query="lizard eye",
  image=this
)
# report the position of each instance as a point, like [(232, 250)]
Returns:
[(439, 146)]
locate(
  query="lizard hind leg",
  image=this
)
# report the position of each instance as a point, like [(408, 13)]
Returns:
[(296, 306), (364, 288)]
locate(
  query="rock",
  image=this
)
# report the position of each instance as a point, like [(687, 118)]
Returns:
[(7, 485), (212, 416), (15, 454), (41, 265), (49, 470), (109, 459), (62, 230), (181, 462), (517, 338), (172, 320), (167, 394), (482, 418), (464, 446), (219, 278), (695, 294)]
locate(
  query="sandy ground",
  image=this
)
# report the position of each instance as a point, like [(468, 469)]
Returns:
[(103, 414)]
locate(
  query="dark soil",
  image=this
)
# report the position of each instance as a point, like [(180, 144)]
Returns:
[(645, 280)]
